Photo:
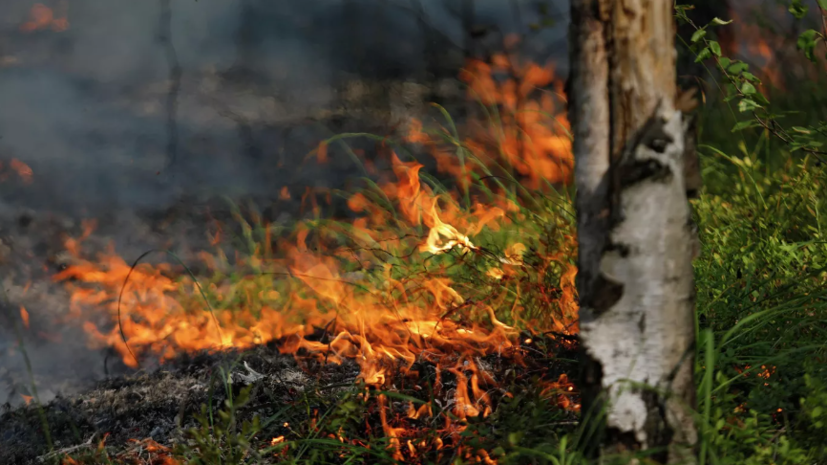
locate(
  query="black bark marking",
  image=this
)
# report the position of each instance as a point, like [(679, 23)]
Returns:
[(658, 432), (607, 292), (686, 356), (654, 136), (621, 249), (641, 324), (628, 171), (638, 171), (593, 402), (624, 441), (691, 162)]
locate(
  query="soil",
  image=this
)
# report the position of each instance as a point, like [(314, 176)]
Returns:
[(163, 404)]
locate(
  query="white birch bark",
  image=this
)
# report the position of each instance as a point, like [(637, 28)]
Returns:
[(635, 235)]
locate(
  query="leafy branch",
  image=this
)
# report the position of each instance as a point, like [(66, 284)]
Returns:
[(743, 85)]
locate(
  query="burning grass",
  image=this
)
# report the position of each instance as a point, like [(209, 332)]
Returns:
[(437, 301), (415, 283)]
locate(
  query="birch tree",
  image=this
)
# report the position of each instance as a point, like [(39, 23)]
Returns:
[(634, 166)]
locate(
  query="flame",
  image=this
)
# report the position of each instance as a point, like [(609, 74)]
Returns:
[(321, 153), (528, 136), (22, 170), (380, 290), (24, 316), (562, 391), (42, 17), (284, 193), (444, 237)]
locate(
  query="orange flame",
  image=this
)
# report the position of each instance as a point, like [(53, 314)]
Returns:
[(24, 316), (42, 17), (22, 170)]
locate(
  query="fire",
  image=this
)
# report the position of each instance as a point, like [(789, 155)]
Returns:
[(383, 290), (20, 169), (532, 134), (41, 17), (444, 237), (155, 319), (562, 390), (24, 316), (284, 193)]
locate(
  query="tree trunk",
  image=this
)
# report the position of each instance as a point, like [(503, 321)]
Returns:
[(634, 227)]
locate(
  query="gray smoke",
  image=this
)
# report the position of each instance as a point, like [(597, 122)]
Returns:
[(88, 108)]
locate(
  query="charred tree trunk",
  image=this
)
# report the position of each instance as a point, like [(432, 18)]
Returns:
[(635, 233)]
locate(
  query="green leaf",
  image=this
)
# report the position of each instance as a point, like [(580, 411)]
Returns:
[(798, 9), (801, 130), (759, 97), (750, 77), (720, 22), (747, 105), (724, 61), (807, 43), (747, 88), (741, 125), (738, 67), (698, 35), (822, 4), (715, 47), (703, 55)]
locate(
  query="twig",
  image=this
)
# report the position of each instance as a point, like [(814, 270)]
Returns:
[(823, 21), (66, 450)]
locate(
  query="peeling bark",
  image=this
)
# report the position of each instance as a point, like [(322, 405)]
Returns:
[(635, 165)]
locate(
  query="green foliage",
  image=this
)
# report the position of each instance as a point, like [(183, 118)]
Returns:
[(527, 428), (218, 439), (761, 275)]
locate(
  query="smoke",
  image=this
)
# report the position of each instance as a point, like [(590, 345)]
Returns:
[(89, 108)]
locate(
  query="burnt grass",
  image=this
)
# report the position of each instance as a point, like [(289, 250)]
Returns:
[(293, 398)]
